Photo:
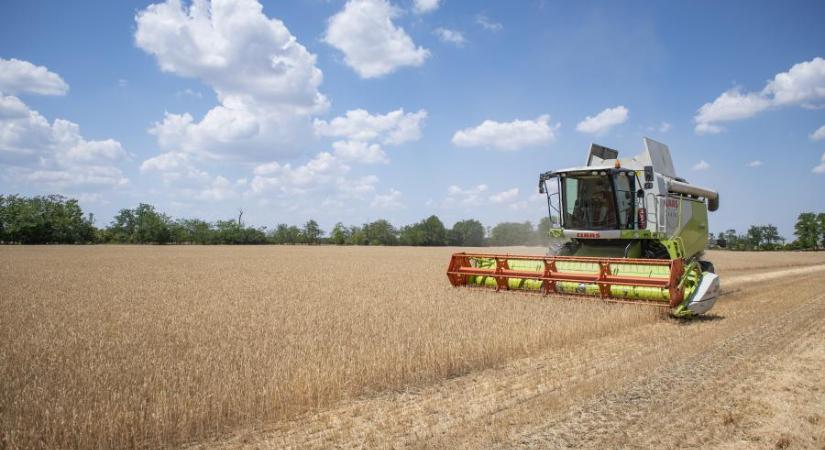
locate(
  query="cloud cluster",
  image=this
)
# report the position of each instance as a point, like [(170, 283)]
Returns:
[(472, 196), (701, 165), (324, 176), (476, 196), (371, 43), (18, 76), (802, 85), (488, 24), (390, 200), (54, 155), (819, 134), (604, 121), (266, 82), (820, 169), (508, 136), (450, 36), (505, 196), (361, 134), (268, 88), (425, 6)]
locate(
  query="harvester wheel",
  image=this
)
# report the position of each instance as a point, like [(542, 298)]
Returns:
[(569, 248), (707, 266), (655, 250)]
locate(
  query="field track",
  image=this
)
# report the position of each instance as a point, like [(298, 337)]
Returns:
[(748, 375)]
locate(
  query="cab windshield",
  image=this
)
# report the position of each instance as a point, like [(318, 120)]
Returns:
[(598, 202)]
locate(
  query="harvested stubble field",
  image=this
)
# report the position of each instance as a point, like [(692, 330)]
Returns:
[(319, 346)]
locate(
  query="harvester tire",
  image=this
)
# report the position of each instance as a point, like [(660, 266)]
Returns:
[(655, 250), (569, 248), (707, 266)]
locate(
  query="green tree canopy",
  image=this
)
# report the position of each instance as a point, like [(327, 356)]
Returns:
[(807, 231), (428, 232), (311, 233), (51, 219), (467, 233), (512, 233), (339, 235), (380, 232)]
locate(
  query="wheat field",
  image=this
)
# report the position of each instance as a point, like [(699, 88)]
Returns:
[(145, 347)]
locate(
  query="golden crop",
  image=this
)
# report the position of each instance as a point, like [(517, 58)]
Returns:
[(143, 346)]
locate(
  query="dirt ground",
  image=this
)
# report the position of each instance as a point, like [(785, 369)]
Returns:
[(749, 375)]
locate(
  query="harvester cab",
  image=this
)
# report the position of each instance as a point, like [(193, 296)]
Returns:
[(625, 230)]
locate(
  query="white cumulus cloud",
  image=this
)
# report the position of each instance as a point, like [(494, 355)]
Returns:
[(820, 169), (472, 196), (266, 82), (819, 134), (390, 200), (488, 24), (701, 165), (394, 128), (360, 151), (325, 175), (371, 43), (513, 135), (755, 163), (425, 6), (803, 84), (450, 36), (55, 155), (18, 76), (505, 196), (603, 121), (361, 134)]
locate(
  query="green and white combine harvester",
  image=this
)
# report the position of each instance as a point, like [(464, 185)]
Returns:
[(627, 230)]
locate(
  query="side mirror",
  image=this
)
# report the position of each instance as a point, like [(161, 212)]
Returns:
[(640, 193)]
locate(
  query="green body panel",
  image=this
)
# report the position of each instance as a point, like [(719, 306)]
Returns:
[(566, 287), (694, 234)]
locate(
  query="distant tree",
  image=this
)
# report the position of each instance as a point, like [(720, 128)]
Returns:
[(820, 221), (755, 237), (339, 234), (466, 233), (357, 236), (194, 231), (770, 237), (512, 233), (807, 231), (380, 232), (285, 234), (428, 232), (51, 219), (311, 233)]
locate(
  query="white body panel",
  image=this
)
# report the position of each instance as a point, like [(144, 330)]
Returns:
[(705, 295)]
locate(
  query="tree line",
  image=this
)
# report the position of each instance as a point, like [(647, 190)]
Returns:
[(55, 219), (809, 231)]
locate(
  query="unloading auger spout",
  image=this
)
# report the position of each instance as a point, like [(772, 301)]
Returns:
[(628, 231)]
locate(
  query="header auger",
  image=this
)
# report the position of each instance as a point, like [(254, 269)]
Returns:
[(635, 233)]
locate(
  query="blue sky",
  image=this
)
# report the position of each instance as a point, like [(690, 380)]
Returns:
[(353, 111)]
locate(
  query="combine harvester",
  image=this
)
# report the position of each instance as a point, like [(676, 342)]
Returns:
[(636, 233)]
